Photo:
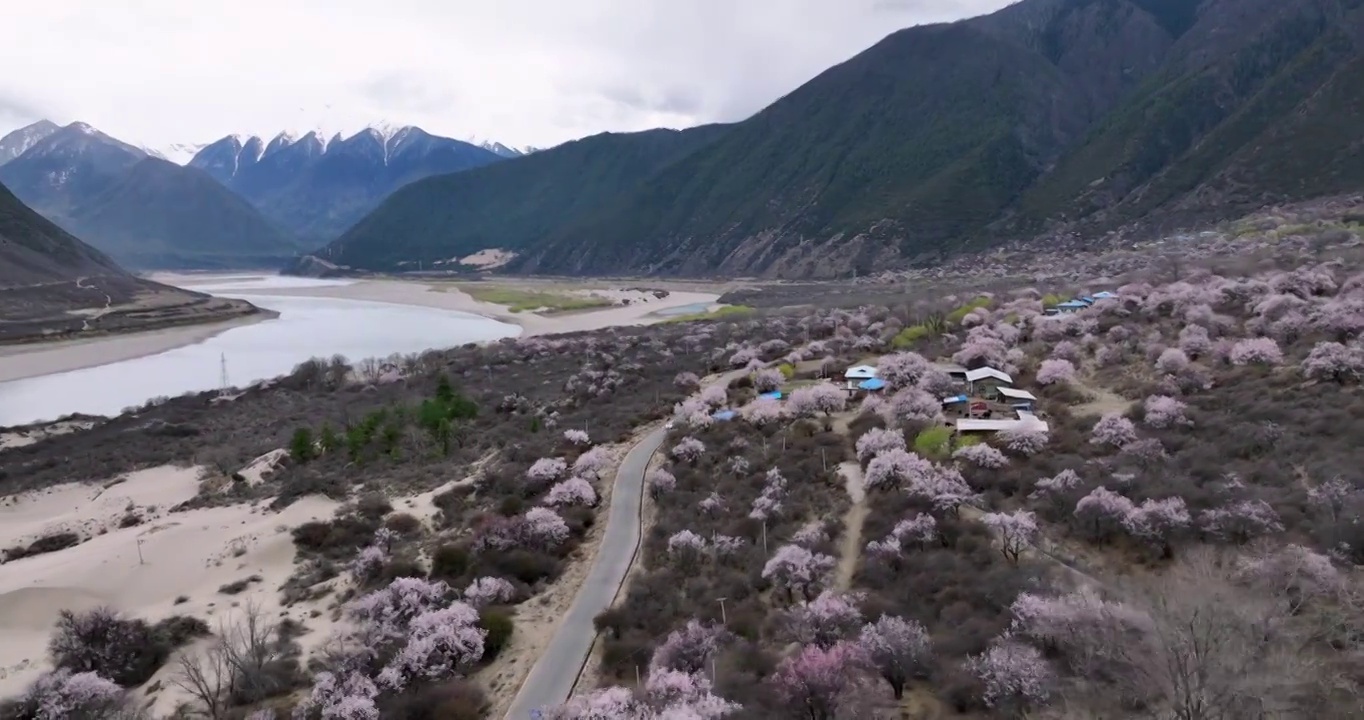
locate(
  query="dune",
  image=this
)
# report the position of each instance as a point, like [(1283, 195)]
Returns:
[(143, 570)]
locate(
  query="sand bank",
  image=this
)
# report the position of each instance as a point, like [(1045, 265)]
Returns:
[(447, 296), (31, 360), (140, 570)]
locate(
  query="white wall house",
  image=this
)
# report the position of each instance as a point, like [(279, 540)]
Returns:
[(857, 374)]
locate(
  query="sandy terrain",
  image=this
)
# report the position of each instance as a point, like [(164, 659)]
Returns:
[(447, 296), (140, 570), (22, 361)]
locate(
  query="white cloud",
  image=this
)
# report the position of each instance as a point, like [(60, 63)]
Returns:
[(526, 72)]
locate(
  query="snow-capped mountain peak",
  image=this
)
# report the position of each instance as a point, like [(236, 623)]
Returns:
[(18, 142)]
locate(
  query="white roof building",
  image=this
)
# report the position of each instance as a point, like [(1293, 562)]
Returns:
[(860, 372), (1014, 394), (988, 372), (974, 425)]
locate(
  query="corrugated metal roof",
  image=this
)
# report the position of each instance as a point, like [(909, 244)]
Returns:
[(974, 425), (860, 371), (988, 372), (1016, 394), (872, 384)]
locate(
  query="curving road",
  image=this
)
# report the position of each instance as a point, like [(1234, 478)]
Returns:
[(553, 675)]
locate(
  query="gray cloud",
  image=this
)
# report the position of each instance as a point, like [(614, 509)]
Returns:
[(531, 72)]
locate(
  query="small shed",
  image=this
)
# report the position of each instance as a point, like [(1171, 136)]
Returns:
[(986, 381), (1105, 295), (1071, 306), (969, 425), (857, 374), (1018, 399), (955, 400), (774, 395), (872, 385)]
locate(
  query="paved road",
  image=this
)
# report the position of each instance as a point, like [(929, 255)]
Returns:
[(550, 681)]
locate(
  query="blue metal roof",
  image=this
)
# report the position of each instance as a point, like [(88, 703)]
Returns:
[(1073, 304), (1104, 295), (774, 395), (955, 399), (724, 415), (872, 384)]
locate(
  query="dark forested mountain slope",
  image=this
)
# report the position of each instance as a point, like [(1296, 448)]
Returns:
[(1047, 116), (33, 250)]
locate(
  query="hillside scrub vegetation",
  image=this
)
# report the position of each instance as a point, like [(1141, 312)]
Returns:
[(1182, 535)]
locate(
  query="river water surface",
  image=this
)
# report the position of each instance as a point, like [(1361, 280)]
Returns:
[(306, 327)]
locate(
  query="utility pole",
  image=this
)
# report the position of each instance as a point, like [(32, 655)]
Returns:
[(764, 537), (140, 561), (222, 372), (724, 619)]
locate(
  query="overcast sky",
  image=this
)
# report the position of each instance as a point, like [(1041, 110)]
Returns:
[(524, 72)]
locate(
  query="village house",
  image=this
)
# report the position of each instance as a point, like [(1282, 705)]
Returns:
[(857, 374), (986, 382)]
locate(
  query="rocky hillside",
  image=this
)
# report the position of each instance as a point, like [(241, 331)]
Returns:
[(1048, 116)]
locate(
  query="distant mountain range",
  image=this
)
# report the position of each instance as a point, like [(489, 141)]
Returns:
[(233, 203), (316, 187), (1046, 117), (143, 211)]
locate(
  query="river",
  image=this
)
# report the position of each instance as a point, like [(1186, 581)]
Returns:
[(306, 327)]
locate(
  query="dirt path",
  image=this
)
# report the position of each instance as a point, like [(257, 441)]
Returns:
[(1104, 401), (850, 548)]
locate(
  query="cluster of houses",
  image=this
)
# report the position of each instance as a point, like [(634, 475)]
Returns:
[(1080, 303), (989, 401)]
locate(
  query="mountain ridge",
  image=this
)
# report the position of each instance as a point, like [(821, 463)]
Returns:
[(317, 187), (141, 210), (1046, 117)]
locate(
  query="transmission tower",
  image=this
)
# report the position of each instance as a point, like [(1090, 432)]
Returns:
[(222, 379)]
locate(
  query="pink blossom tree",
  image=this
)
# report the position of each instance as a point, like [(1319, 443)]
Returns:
[(686, 548), (1296, 574), (439, 643), (1162, 411), (768, 379), (896, 466), (1242, 521), (1333, 495), (797, 570), (920, 530), (824, 398), (1194, 341), (817, 681), (913, 404), (1058, 491), (546, 470), (687, 381), (661, 482), (689, 649), (715, 396), (1157, 522), (1334, 362), (1095, 636), (902, 370), (1053, 372), (573, 491), (544, 528), (575, 436), (1101, 514), (1113, 429), (879, 440), (489, 591), (825, 621), (63, 695), (981, 455), (1025, 439), (944, 488), (1015, 675), (899, 649), (347, 697), (1172, 361), (591, 463), (1256, 351), (688, 449), (811, 533), (764, 412), (1015, 531)]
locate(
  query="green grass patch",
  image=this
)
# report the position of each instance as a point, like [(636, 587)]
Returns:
[(517, 300), (724, 312), (934, 443), (1051, 300), (910, 335), (955, 317)]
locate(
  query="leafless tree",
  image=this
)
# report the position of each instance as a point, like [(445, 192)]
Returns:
[(236, 669)]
